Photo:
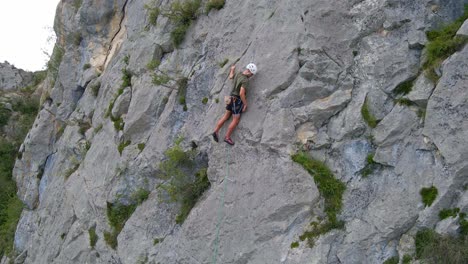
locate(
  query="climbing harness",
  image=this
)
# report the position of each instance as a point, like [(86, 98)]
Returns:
[(221, 206)]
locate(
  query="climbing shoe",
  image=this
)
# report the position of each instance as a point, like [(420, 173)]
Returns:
[(215, 136), (229, 141)]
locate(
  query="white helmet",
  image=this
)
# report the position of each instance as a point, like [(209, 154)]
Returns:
[(252, 68)]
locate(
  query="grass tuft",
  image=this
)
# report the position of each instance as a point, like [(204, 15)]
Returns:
[(126, 78), (434, 248), (181, 14), (160, 79), (141, 146), (404, 88), (153, 64), (367, 115), (181, 186), (295, 244), (392, 260), (214, 4), (153, 14), (428, 195), (331, 190), (370, 167), (407, 259), (223, 63), (93, 237), (443, 42), (95, 89), (446, 213), (123, 145)]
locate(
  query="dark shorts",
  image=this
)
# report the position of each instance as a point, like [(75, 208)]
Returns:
[(235, 106)]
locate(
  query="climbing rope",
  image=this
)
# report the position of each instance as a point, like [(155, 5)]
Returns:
[(221, 206)]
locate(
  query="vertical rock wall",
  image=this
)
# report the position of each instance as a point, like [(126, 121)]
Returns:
[(319, 62)]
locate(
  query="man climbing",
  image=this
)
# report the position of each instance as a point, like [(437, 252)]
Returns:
[(237, 103)]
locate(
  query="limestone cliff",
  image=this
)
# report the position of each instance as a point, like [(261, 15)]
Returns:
[(120, 95)]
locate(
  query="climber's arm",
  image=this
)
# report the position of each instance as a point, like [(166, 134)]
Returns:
[(243, 98), (231, 73)]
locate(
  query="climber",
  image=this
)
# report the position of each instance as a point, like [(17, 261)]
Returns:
[(236, 103)]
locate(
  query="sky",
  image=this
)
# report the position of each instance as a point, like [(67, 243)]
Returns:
[(25, 27)]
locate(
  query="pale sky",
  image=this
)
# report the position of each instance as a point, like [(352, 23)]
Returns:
[(25, 26)]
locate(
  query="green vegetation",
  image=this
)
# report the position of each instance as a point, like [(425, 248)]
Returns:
[(463, 227), (126, 78), (407, 259), (153, 13), (157, 241), (118, 123), (204, 100), (120, 91), (72, 169), (140, 195), (181, 14), (434, 248), (214, 4), (165, 100), (141, 146), (446, 213), (123, 145), (421, 113), (93, 237), (118, 214), (126, 59), (95, 89), (55, 61), (404, 101), (77, 4), (4, 117), (367, 115), (331, 190), (217, 100), (392, 260), (443, 43), (160, 79), (294, 244), (404, 88), (98, 128), (111, 239), (224, 62), (86, 66), (76, 38), (181, 186), (182, 84), (84, 126), (428, 195), (370, 167), (153, 64), (11, 207)]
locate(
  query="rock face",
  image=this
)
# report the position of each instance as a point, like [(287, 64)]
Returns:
[(98, 140), (12, 78)]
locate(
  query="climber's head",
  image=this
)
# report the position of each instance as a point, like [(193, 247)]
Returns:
[(250, 70)]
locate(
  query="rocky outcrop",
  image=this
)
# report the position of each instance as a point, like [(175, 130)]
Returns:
[(12, 78), (319, 62)]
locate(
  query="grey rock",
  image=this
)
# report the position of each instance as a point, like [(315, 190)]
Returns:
[(12, 78), (379, 103), (396, 125), (317, 64), (463, 31), (319, 111), (445, 113), (421, 91), (122, 103)]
